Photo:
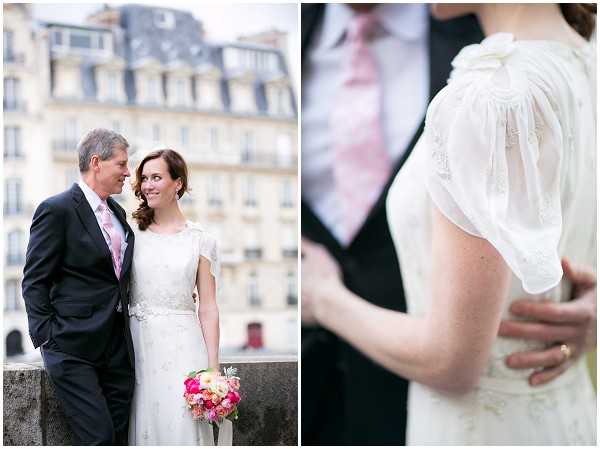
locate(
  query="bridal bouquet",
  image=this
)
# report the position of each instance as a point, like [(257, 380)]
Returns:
[(212, 396)]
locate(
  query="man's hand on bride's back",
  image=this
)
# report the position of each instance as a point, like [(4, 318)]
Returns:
[(320, 276), (569, 327)]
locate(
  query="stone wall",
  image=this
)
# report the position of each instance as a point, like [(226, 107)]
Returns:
[(268, 411)]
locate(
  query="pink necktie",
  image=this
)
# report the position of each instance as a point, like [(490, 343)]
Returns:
[(113, 235), (362, 165)]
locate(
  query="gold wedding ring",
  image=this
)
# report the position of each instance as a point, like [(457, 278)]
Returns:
[(566, 350)]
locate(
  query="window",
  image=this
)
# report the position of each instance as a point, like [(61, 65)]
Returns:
[(11, 295), (250, 191), (57, 37), (164, 19), (8, 46), (112, 86), (153, 87), (248, 152), (252, 290), (12, 142), (214, 191), (290, 242), (11, 93), (180, 92), (184, 136), (287, 197), (15, 250), (252, 249), (13, 201), (80, 40), (292, 289), (281, 101)]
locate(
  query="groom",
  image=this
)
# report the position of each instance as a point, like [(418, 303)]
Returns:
[(75, 288)]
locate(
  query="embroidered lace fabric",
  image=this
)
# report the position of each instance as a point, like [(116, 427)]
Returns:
[(508, 154), (167, 336)]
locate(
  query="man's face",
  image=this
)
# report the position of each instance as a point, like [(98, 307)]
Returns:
[(113, 171)]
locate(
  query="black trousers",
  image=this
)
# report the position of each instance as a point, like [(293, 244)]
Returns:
[(96, 396)]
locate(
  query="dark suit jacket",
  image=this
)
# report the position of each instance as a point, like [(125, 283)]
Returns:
[(333, 399), (70, 288)]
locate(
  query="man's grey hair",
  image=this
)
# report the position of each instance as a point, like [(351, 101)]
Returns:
[(101, 142)]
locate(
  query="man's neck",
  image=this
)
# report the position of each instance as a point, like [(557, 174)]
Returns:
[(92, 184)]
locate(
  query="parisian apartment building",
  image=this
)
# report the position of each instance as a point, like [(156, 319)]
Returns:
[(153, 75)]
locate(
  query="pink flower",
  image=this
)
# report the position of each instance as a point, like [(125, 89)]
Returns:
[(234, 397), (192, 386), (221, 411), (208, 404), (212, 415), (226, 403), (234, 383)]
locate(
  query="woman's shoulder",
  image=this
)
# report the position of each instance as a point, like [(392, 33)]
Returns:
[(199, 230), (493, 70)]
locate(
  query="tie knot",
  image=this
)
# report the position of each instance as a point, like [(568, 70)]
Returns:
[(362, 27)]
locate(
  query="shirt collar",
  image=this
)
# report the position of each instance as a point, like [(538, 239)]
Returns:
[(92, 197), (406, 21)]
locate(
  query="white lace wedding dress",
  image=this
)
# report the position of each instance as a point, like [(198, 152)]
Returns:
[(167, 336), (508, 154)]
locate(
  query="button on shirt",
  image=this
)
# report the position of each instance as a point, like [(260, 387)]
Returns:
[(401, 51), (94, 201)]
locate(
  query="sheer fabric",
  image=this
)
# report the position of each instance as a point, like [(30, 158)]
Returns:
[(167, 336), (508, 155)]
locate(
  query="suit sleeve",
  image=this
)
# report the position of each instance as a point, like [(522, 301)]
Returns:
[(42, 265)]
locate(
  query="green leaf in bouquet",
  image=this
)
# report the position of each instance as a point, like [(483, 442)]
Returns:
[(192, 374), (231, 371)]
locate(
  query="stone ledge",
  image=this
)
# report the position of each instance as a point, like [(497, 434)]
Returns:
[(34, 417)]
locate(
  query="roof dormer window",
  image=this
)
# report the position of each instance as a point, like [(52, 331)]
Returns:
[(164, 19)]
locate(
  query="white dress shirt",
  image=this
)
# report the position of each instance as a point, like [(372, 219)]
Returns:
[(94, 201), (402, 54)]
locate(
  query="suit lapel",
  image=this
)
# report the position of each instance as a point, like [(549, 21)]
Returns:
[(88, 219), (130, 237)]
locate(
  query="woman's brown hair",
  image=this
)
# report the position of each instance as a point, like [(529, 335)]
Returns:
[(144, 214), (581, 17)]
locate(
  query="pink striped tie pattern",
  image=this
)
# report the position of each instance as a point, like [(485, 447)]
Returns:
[(362, 165), (113, 235)]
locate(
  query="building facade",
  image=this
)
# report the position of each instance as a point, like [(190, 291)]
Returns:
[(150, 74)]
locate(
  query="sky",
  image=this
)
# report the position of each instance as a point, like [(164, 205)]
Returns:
[(223, 21)]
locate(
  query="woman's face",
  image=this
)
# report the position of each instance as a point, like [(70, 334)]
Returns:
[(157, 185), (445, 11)]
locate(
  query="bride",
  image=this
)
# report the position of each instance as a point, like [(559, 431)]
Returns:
[(500, 187), (171, 336)]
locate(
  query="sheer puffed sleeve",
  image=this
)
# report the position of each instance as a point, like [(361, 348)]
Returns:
[(208, 248), (495, 153)]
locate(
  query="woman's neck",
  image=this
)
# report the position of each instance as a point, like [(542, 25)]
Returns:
[(169, 217), (530, 21)]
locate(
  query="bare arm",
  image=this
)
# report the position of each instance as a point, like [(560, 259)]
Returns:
[(208, 312), (446, 349)]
